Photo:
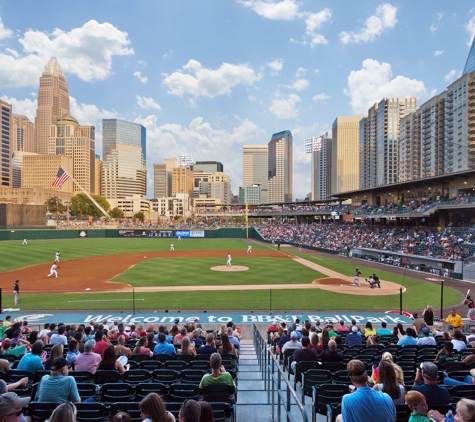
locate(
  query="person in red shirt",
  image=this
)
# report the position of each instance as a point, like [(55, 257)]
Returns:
[(121, 332), (273, 328), (101, 342)]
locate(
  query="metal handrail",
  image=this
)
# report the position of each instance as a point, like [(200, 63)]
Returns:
[(273, 376)]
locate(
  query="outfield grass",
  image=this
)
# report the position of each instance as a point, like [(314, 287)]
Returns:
[(197, 272), (184, 271)]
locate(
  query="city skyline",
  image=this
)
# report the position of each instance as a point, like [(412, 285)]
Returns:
[(209, 92)]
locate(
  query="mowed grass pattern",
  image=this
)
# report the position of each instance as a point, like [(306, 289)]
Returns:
[(197, 272), (15, 255)]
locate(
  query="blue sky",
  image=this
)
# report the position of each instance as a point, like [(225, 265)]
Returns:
[(208, 76)]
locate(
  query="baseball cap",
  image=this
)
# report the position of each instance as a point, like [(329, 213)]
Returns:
[(289, 330), (294, 335), (58, 364), (9, 401), (425, 330), (354, 329), (177, 320), (430, 370)]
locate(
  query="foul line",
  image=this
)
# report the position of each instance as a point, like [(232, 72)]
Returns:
[(101, 300)]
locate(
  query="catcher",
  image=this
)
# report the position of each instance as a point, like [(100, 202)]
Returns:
[(373, 281)]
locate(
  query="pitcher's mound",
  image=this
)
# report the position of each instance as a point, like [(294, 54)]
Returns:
[(340, 285), (232, 268)]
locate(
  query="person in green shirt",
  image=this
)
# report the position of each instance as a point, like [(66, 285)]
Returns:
[(218, 373), (418, 405), (17, 351)]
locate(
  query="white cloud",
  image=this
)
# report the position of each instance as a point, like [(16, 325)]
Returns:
[(452, 75), (313, 22), (168, 55), (86, 52), (300, 72), (26, 107), (383, 20), (199, 81), (276, 10), (435, 26), (202, 140), (374, 81), (285, 107), (470, 28), (141, 64), (4, 32), (143, 79), (276, 66), (321, 97), (147, 103), (318, 39), (12, 52), (299, 85), (438, 53)]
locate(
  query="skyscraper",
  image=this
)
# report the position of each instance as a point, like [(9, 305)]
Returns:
[(23, 134), (321, 150), (208, 166), (124, 153), (345, 154), (53, 103), (6, 126), (162, 178), (70, 139), (255, 165), (280, 167), (379, 141)]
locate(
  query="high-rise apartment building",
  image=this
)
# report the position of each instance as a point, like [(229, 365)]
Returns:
[(182, 181), (70, 139), (345, 154), (41, 170), (23, 134), (379, 141), (321, 149), (53, 103), (162, 178), (208, 166), (6, 126), (255, 165), (280, 166), (124, 153), (123, 172)]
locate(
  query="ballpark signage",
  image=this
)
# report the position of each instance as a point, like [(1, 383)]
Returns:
[(145, 233), (212, 318), (182, 233)]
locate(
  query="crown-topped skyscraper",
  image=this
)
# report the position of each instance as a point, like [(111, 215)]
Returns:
[(53, 103)]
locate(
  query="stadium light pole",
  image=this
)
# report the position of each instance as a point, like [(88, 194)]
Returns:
[(185, 161)]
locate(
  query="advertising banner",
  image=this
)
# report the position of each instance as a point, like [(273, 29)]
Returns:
[(82, 234), (182, 233), (197, 233), (145, 233)]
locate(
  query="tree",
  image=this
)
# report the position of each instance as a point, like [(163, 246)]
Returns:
[(81, 205), (116, 213), (55, 206), (139, 216)]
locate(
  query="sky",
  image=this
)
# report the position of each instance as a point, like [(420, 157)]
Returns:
[(206, 77)]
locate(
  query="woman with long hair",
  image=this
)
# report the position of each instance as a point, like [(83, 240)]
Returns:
[(141, 347), (387, 383), (65, 412), (388, 357), (226, 346), (121, 349), (109, 361), (369, 330), (55, 353), (325, 338), (315, 342), (206, 412), (399, 331), (186, 347), (152, 409), (465, 411)]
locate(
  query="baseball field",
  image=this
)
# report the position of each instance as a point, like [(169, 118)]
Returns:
[(103, 274)]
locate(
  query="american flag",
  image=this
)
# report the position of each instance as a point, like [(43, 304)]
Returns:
[(61, 178)]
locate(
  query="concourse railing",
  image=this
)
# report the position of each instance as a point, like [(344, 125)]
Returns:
[(274, 376)]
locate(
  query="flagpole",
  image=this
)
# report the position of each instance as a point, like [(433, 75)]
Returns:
[(87, 194)]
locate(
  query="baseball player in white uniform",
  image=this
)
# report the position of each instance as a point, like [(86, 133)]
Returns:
[(179, 238), (53, 271), (25, 242), (56, 259), (172, 247), (249, 249), (228, 260)]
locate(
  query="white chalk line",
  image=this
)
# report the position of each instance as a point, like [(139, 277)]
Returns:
[(101, 300)]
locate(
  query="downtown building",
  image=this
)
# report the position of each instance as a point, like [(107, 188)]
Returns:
[(163, 178), (378, 139), (123, 168), (255, 174), (280, 167), (321, 149), (6, 126)]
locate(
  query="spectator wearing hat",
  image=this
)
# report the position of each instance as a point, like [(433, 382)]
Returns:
[(426, 340), (11, 407), (31, 362), (273, 328), (365, 404), (88, 360), (353, 338), (58, 387), (164, 348), (293, 344), (434, 394), (332, 354)]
